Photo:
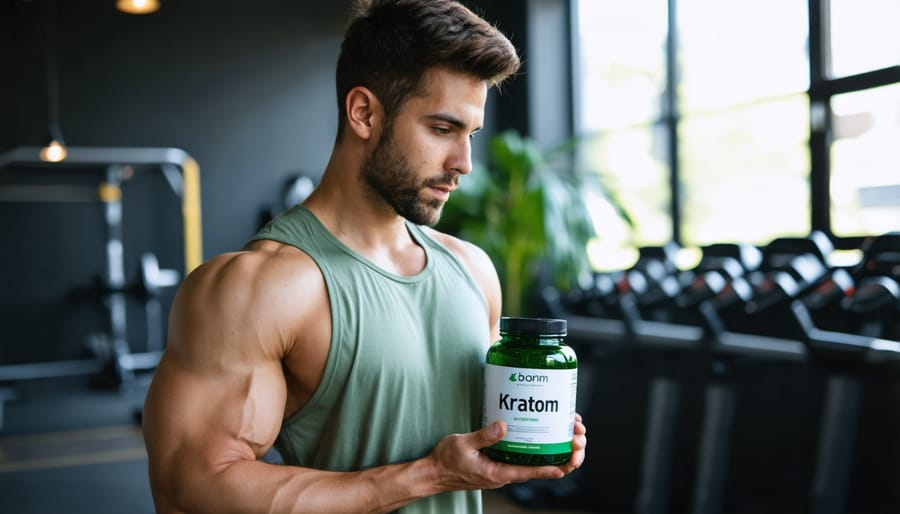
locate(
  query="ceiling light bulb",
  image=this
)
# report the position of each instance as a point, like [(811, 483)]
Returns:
[(53, 152), (137, 6)]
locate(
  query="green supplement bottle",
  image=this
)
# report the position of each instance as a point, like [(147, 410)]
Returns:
[(529, 382)]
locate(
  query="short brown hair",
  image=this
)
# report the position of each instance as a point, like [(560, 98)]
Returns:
[(391, 43)]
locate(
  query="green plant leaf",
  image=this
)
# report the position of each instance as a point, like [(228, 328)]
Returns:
[(526, 209)]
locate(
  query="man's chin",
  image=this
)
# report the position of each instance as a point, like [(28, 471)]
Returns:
[(429, 214), (432, 220), (436, 215)]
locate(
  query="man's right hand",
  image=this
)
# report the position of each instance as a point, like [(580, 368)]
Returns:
[(460, 464)]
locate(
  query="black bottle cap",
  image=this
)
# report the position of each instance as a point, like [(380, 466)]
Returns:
[(533, 326)]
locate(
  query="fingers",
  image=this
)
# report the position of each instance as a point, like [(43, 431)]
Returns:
[(512, 473), (579, 423), (579, 443), (580, 430), (489, 435), (484, 473)]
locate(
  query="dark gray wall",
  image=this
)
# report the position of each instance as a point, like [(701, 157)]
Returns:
[(245, 88)]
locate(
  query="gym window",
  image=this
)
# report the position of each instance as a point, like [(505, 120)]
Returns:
[(717, 121)]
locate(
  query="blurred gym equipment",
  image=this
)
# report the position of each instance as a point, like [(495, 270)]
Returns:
[(113, 354), (807, 346)]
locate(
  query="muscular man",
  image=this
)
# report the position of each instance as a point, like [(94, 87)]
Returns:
[(347, 333)]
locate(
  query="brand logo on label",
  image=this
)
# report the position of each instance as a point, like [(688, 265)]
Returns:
[(521, 377)]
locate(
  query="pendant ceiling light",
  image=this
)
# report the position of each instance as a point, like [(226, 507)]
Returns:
[(137, 6), (55, 151)]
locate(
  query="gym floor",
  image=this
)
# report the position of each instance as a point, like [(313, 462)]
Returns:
[(69, 447)]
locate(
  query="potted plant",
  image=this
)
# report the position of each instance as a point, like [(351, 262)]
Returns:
[(526, 208)]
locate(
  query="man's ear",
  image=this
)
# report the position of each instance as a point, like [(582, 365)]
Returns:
[(364, 112)]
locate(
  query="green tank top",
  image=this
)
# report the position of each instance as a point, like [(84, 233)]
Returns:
[(405, 364)]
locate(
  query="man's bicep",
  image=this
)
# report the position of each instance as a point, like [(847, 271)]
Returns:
[(217, 397), (239, 402), (198, 424)]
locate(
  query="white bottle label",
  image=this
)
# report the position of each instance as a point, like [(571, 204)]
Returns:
[(538, 406)]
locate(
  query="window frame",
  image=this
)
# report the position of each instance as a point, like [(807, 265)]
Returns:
[(822, 87)]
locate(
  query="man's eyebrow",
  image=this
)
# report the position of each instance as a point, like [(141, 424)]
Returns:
[(452, 120)]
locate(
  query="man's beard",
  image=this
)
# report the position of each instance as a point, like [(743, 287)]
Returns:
[(387, 173)]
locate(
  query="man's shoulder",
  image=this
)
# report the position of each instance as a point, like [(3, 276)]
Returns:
[(261, 270), (477, 263), (462, 249)]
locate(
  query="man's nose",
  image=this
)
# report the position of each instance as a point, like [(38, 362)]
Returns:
[(460, 160)]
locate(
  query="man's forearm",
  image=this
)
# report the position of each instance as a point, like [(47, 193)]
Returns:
[(245, 485), (258, 487)]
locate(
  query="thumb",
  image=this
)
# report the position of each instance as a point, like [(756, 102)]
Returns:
[(490, 434)]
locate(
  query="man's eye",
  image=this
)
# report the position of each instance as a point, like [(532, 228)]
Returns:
[(441, 130)]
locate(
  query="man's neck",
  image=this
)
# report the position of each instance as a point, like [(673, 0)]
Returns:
[(364, 223)]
